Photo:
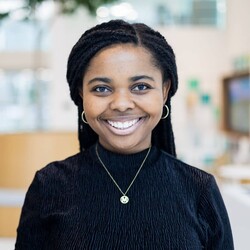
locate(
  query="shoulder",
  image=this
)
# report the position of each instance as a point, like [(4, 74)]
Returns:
[(193, 183), (70, 164), (185, 173), (63, 171)]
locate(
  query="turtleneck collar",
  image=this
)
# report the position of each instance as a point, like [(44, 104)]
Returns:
[(117, 161)]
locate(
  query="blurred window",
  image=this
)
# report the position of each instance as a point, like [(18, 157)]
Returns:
[(167, 12), (24, 74), (18, 35), (23, 99)]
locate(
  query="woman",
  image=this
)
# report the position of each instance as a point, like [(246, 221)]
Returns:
[(125, 189)]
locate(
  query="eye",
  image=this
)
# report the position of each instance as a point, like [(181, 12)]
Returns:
[(141, 87), (101, 89)]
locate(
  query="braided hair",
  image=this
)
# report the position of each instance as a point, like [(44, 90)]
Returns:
[(119, 32)]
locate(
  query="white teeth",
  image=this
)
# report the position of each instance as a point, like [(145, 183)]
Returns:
[(123, 125)]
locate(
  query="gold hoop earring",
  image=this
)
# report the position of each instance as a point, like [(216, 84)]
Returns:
[(167, 113), (82, 116)]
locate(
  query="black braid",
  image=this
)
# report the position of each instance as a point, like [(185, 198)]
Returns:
[(118, 32)]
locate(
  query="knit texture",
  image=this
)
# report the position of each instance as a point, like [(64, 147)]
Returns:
[(73, 204)]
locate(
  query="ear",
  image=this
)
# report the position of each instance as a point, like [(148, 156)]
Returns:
[(166, 87)]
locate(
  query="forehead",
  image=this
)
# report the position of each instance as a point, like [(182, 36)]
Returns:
[(122, 54)]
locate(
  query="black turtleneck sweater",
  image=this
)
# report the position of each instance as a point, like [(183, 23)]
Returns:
[(74, 204)]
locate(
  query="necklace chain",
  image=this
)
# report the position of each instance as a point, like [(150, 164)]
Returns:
[(124, 199)]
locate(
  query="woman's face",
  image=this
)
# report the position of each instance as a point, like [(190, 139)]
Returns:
[(123, 97)]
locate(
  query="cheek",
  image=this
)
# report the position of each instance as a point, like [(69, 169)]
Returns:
[(88, 102), (93, 107), (90, 109), (154, 104)]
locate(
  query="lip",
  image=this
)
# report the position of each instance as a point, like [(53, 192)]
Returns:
[(123, 126)]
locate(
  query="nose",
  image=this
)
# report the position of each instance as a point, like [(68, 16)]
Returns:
[(122, 101)]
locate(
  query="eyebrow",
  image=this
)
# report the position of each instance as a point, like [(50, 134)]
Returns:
[(132, 79), (100, 79), (136, 78)]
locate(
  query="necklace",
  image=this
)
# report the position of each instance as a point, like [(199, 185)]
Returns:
[(124, 198)]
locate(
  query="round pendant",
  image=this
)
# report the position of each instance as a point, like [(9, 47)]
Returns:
[(124, 199)]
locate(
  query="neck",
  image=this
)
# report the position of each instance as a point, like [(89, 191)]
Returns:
[(114, 160)]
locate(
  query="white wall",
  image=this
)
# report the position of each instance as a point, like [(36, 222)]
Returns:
[(238, 31), (200, 54), (65, 33)]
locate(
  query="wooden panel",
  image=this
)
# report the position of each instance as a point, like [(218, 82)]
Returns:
[(9, 219), (21, 155)]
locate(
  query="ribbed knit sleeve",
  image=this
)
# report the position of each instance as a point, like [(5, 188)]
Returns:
[(32, 232), (214, 218)]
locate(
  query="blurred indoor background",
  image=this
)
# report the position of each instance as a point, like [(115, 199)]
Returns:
[(211, 110)]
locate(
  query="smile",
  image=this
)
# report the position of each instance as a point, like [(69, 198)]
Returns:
[(123, 125)]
